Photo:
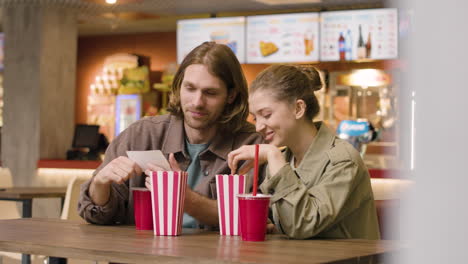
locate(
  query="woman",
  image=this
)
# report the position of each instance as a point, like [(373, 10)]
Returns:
[(320, 185)]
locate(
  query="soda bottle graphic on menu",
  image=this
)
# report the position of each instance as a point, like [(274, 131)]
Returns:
[(349, 45), (341, 47), (361, 48), (368, 46)]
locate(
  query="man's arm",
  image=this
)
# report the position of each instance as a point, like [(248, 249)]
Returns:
[(117, 171), (104, 198), (202, 208), (99, 193)]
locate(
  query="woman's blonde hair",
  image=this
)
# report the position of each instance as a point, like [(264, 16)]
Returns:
[(222, 63), (290, 83)]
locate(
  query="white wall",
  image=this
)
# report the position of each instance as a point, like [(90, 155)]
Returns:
[(39, 83), (436, 213)]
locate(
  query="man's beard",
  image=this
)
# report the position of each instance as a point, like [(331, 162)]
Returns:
[(202, 123)]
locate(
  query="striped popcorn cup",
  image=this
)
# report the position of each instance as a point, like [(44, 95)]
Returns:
[(167, 197), (228, 186)]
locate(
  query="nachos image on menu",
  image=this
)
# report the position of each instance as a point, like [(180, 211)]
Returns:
[(267, 48)]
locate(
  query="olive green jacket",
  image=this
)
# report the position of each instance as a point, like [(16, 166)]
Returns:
[(329, 194)]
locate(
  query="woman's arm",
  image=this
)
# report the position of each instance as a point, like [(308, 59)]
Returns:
[(267, 153), (305, 212)]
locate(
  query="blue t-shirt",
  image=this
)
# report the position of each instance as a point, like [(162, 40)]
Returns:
[(195, 174)]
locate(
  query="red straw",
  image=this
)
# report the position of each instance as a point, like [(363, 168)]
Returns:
[(255, 180)]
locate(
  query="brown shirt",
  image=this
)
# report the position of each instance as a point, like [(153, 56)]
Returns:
[(165, 133)]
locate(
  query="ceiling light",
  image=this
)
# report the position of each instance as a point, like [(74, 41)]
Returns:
[(287, 2), (111, 2)]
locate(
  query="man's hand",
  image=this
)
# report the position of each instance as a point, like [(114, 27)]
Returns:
[(117, 171), (151, 167)]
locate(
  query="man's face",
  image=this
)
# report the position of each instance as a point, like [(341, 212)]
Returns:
[(202, 97)]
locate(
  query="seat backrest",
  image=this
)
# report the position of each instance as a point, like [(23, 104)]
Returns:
[(388, 215), (8, 209), (387, 195), (69, 210), (6, 180)]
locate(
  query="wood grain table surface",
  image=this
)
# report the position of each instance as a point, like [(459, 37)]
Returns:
[(124, 244), (32, 192)]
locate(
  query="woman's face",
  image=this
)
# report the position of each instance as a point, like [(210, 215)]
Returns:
[(275, 120)]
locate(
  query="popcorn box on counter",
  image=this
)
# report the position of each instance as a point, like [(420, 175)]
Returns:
[(228, 186), (168, 196)]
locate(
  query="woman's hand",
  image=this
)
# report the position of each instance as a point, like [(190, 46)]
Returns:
[(247, 153), (151, 167), (271, 229)]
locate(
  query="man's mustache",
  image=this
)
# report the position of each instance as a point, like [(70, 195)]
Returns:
[(202, 110)]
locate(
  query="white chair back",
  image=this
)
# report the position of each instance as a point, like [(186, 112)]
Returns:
[(6, 180), (69, 210)]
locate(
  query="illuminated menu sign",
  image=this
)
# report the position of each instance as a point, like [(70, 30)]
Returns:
[(283, 38), (359, 34), (226, 30)]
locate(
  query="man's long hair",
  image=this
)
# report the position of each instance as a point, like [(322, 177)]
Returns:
[(222, 63)]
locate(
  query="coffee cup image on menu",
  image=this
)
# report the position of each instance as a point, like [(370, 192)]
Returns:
[(222, 37)]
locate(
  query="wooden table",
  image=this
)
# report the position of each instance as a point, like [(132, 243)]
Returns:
[(25, 195), (124, 244)]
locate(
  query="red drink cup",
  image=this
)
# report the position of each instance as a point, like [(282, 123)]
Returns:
[(253, 212), (142, 209)]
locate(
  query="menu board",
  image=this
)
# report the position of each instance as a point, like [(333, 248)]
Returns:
[(283, 38), (225, 30), (359, 34)]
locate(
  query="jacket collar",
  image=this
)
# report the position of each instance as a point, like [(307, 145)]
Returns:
[(175, 137), (221, 144), (322, 142)]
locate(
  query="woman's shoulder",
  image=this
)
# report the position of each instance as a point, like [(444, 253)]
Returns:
[(342, 151)]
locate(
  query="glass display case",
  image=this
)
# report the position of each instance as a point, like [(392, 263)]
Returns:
[(364, 102), (116, 96)]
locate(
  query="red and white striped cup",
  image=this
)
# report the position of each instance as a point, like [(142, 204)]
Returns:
[(228, 186), (167, 197)]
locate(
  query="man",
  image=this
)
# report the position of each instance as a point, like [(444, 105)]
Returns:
[(208, 109)]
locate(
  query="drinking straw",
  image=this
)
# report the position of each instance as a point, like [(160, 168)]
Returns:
[(255, 180)]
